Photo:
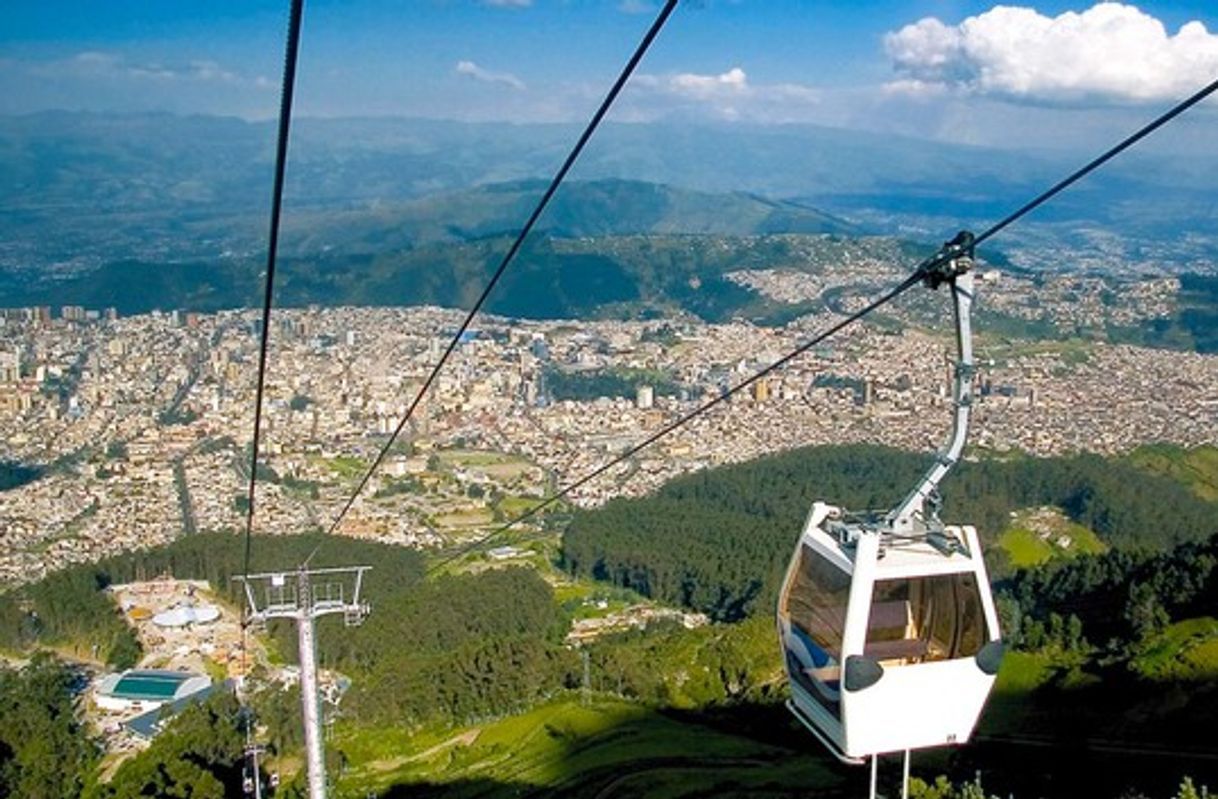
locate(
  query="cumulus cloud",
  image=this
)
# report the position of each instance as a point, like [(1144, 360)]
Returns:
[(733, 82), (487, 76), (729, 95), (1111, 52)]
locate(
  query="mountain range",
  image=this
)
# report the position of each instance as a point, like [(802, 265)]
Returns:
[(156, 210), (79, 188)]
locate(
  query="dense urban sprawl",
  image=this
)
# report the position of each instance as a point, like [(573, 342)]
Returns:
[(141, 425)]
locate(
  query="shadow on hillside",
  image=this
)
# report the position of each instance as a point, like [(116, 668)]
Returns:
[(1113, 738), (780, 760), (745, 750)]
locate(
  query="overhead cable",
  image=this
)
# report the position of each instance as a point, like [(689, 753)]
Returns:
[(510, 255), (1124, 145), (923, 270), (722, 397), (281, 157)]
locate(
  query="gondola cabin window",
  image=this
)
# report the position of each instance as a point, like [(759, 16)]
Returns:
[(924, 619), (815, 608)]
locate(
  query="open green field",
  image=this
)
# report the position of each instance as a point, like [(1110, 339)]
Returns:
[(607, 748), (1196, 468), (1023, 672), (475, 457), (512, 506), (501, 465), (1040, 535), (346, 468), (587, 599), (1186, 650), (1003, 349), (479, 517)]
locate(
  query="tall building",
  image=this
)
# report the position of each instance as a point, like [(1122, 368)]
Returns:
[(543, 398), (539, 349), (10, 367), (645, 398)]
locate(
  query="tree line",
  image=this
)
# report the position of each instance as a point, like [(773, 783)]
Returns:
[(1118, 599), (69, 609), (449, 649), (613, 382), (718, 541)]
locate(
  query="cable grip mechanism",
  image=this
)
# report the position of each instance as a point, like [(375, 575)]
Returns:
[(954, 258)]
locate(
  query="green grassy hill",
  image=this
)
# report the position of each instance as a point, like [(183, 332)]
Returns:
[(1038, 535), (581, 209), (605, 747), (613, 277), (1186, 650), (1196, 468)]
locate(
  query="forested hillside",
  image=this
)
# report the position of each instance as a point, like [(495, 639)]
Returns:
[(450, 649), (718, 541), (44, 752), (1098, 639), (579, 278), (68, 610), (457, 649)]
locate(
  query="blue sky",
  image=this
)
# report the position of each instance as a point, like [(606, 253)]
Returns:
[(743, 61)]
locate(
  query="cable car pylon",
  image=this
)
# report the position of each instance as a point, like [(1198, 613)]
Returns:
[(302, 597), (886, 621)]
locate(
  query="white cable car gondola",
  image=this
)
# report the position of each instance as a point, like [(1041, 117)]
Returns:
[(886, 621)]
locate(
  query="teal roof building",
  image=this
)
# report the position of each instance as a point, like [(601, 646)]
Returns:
[(147, 689)]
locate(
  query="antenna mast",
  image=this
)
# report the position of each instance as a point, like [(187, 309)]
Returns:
[(304, 595)]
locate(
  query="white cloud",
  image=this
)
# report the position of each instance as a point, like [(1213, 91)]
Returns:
[(727, 95), (113, 66), (732, 82), (1111, 52), (102, 64), (486, 76)]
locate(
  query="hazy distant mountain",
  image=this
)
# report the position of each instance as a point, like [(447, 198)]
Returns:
[(78, 191), (617, 276), (136, 162), (594, 208)]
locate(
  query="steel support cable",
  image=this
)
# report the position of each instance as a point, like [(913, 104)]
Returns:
[(1124, 145), (923, 269), (510, 255), (291, 50)]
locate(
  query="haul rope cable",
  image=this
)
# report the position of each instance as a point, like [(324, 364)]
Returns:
[(923, 269), (281, 156), (508, 257)]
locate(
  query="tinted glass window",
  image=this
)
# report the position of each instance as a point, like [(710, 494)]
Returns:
[(815, 607), (816, 601), (924, 619)]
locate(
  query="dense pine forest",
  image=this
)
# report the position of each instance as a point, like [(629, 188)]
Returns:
[(718, 541)]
